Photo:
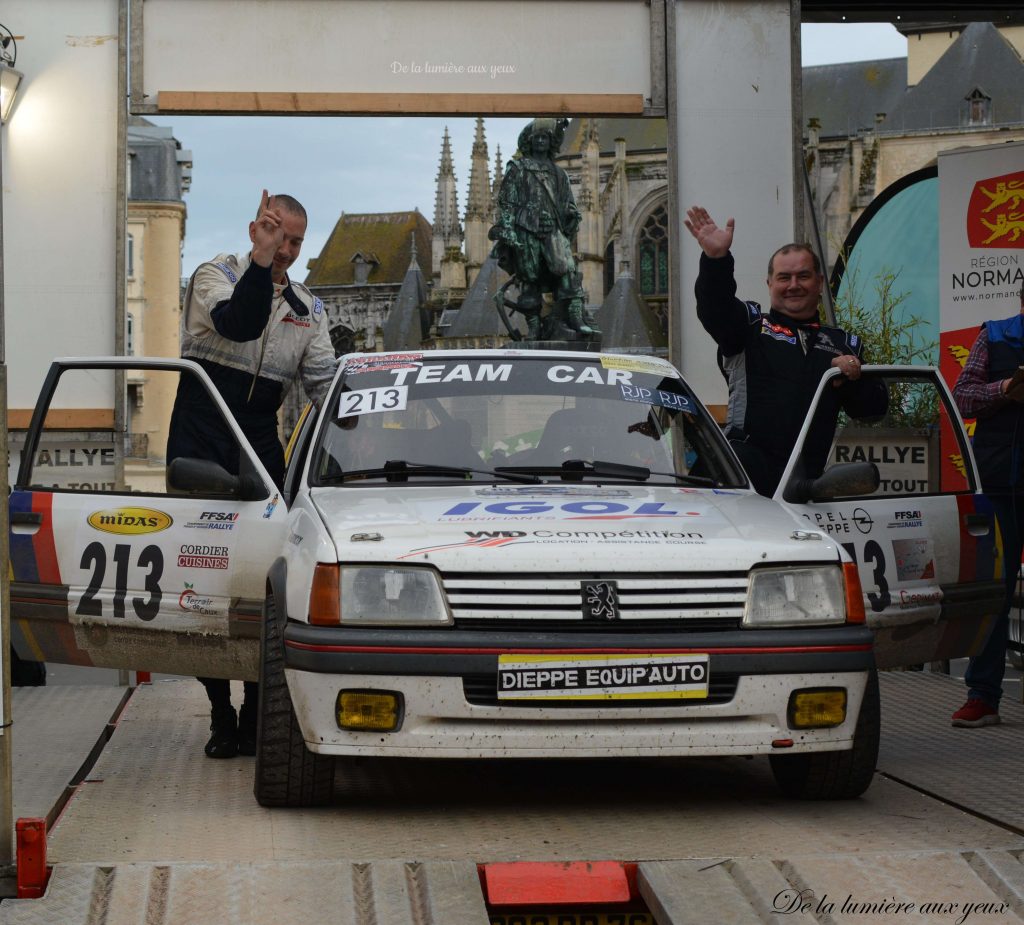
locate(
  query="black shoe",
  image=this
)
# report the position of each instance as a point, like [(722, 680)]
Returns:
[(223, 741), (247, 730)]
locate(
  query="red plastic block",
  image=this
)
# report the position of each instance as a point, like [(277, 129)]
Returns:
[(535, 883), (31, 858)]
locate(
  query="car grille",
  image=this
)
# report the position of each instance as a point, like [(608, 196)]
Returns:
[(482, 690), (687, 601)]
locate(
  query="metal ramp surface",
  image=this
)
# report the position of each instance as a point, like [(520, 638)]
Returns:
[(977, 769), (56, 733), (156, 834), (935, 887)]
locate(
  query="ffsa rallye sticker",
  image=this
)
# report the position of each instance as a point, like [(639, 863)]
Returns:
[(641, 676)]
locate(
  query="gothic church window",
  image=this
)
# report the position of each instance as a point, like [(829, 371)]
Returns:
[(653, 253)]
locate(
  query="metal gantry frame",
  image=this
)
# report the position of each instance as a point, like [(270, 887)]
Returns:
[(664, 87)]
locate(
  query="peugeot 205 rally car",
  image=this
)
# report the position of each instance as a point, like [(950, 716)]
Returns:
[(512, 553)]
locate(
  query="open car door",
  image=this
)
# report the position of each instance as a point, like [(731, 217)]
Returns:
[(118, 562), (922, 535)]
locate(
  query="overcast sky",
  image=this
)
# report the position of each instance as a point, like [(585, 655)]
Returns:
[(335, 165)]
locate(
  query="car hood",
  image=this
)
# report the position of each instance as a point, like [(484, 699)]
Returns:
[(566, 528)]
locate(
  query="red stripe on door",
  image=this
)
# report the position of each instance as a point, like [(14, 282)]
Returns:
[(43, 542)]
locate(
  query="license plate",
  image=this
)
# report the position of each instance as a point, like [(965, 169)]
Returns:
[(637, 676)]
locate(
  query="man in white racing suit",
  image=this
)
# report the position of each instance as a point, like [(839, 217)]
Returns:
[(255, 332)]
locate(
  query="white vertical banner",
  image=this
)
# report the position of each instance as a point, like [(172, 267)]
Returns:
[(981, 235), (981, 257)]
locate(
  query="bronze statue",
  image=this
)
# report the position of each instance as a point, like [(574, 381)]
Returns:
[(537, 219)]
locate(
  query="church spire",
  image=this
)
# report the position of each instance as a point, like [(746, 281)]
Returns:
[(590, 237), (496, 185), (478, 200), (590, 181), (447, 230), (478, 205)]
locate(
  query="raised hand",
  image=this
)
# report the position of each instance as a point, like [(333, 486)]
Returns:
[(266, 232), (714, 241)]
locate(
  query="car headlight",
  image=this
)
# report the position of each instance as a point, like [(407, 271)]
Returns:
[(795, 597), (387, 595)]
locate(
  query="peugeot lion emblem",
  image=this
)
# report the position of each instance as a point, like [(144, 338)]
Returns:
[(600, 600)]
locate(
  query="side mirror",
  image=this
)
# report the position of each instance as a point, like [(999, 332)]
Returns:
[(840, 481), (186, 476)]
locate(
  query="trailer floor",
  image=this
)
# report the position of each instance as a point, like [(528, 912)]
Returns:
[(157, 833)]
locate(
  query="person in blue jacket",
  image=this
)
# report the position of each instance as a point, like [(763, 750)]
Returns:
[(991, 388)]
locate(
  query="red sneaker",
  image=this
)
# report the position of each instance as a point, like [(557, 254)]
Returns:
[(976, 713)]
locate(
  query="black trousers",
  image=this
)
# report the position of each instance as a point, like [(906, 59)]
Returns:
[(764, 471), (219, 692)]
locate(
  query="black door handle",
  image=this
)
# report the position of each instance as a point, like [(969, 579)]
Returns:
[(978, 524)]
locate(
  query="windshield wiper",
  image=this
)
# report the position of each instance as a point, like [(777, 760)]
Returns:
[(399, 470), (577, 468)]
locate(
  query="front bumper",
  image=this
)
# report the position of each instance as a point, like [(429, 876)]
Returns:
[(442, 677)]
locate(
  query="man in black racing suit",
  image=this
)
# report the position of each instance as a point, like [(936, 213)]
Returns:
[(254, 331), (773, 362)]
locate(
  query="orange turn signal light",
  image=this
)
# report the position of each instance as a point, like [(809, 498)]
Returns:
[(325, 595), (854, 594)]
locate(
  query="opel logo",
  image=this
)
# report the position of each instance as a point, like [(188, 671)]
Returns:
[(862, 520)]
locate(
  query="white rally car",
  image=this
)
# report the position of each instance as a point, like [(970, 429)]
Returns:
[(512, 553)]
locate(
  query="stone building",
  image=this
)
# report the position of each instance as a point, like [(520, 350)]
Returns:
[(872, 122), (359, 275), (159, 175), (360, 270), (867, 124), (608, 194)]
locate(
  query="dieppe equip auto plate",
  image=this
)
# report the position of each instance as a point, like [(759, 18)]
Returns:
[(637, 676)]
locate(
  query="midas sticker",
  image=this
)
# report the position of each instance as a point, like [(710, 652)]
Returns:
[(130, 520)]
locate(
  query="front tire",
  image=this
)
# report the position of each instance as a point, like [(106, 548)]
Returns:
[(841, 775), (287, 773)]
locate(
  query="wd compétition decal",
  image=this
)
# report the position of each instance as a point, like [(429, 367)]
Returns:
[(496, 539)]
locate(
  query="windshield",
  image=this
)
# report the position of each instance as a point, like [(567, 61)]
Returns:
[(502, 417)]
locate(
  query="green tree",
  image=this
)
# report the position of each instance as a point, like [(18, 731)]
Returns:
[(891, 336)]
